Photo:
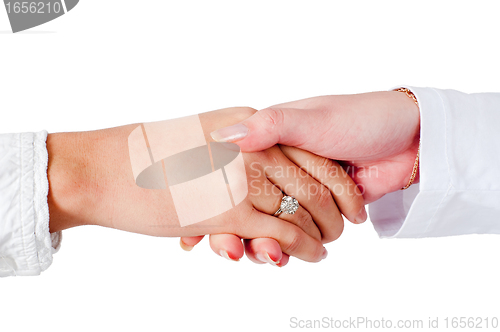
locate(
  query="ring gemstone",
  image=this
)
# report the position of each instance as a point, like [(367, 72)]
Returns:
[(289, 205)]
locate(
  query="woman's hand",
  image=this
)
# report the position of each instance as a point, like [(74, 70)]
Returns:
[(327, 172), (91, 182), (375, 135), (332, 182)]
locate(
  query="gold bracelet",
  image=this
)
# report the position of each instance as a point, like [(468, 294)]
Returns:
[(415, 166)]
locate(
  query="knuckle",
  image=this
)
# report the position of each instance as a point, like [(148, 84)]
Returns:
[(318, 253), (326, 165), (240, 221), (324, 162), (335, 232), (273, 117), (356, 202), (275, 201), (303, 219), (324, 197), (328, 170), (294, 242)]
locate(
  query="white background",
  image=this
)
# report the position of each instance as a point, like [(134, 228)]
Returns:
[(113, 62)]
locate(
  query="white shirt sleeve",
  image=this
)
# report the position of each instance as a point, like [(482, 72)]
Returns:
[(459, 189), (26, 246)]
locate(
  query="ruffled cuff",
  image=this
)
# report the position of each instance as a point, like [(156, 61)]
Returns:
[(26, 245)]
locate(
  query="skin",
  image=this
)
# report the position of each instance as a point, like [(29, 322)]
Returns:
[(91, 183), (374, 136), (377, 129)]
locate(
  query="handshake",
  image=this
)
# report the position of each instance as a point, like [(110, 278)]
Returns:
[(306, 163)]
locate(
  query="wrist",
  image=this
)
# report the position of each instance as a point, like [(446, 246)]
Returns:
[(68, 173), (412, 154), (412, 170)]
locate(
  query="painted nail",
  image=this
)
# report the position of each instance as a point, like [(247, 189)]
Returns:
[(224, 254), (325, 253), (230, 134), (186, 247), (264, 258), (362, 216)]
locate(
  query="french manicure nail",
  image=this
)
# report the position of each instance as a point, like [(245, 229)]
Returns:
[(186, 247), (264, 258), (230, 134), (362, 216), (224, 254)]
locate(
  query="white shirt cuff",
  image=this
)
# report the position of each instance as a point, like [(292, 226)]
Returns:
[(26, 245), (459, 189)]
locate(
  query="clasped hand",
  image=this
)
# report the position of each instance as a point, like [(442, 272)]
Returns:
[(287, 148)]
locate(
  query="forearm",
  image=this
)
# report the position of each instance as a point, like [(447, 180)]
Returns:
[(92, 182), (88, 176)]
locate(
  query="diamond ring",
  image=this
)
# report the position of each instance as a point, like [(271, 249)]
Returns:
[(289, 205)]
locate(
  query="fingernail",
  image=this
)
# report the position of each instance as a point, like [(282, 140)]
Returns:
[(224, 254), (264, 258), (362, 216), (230, 134), (186, 247), (325, 253), (230, 146)]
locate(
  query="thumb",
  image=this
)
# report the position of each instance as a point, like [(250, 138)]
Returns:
[(267, 127)]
